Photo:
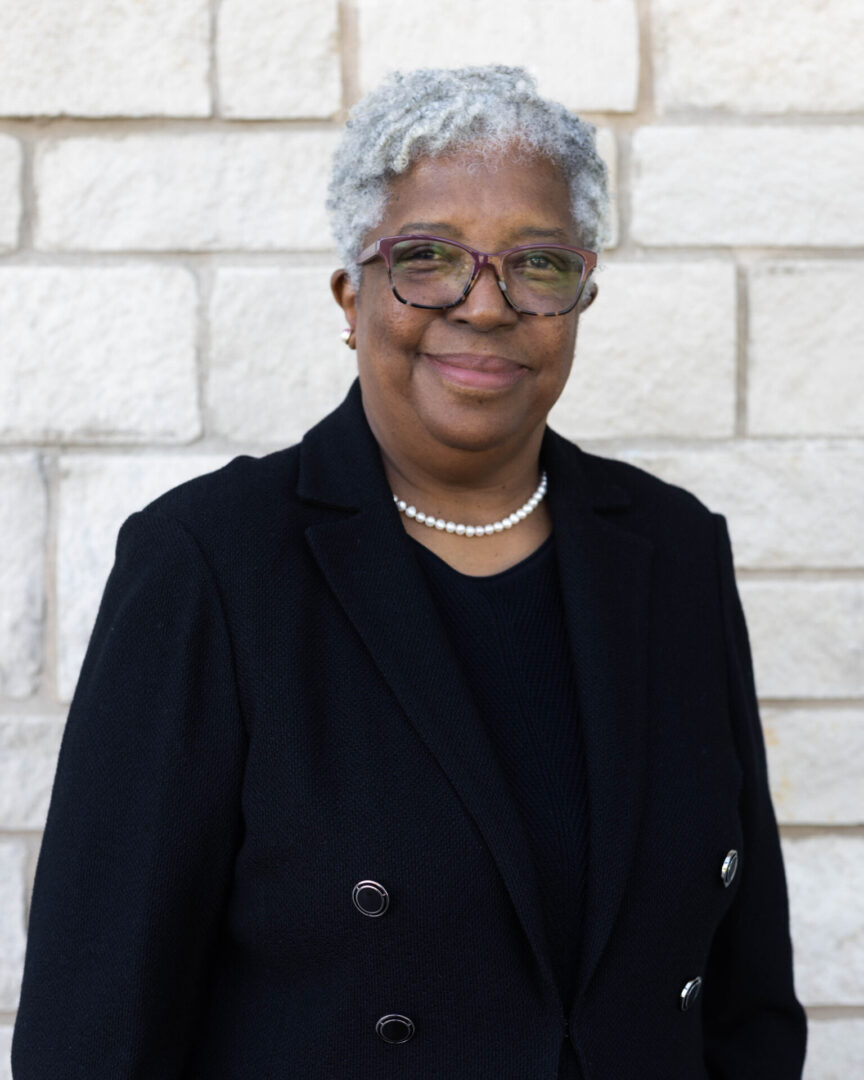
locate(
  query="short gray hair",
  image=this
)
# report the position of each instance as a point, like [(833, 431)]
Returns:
[(431, 111)]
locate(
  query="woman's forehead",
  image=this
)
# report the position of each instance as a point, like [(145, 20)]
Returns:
[(447, 193)]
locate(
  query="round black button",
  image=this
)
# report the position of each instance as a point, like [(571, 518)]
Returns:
[(729, 868), (395, 1028), (690, 993), (370, 898)]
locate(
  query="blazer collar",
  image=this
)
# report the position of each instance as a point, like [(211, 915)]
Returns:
[(367, 560)]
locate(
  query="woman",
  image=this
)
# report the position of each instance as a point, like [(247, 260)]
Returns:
[(429, 747)]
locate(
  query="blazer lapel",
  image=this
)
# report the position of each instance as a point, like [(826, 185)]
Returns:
[(366, 558), (605, 580)]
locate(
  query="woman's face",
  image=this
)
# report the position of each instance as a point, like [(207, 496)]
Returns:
[(419, 368)]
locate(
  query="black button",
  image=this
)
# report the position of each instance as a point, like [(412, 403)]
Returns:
[(370, 898), (395, 1028)]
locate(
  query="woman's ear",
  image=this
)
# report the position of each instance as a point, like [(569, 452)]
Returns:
[(345, 295), (588, 296)]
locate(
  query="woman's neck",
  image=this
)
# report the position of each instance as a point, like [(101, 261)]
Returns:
[(471, 488)]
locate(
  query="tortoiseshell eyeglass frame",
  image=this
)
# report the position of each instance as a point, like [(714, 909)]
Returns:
[(384, 246)]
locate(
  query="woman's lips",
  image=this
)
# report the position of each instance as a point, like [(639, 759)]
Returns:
[(485, 372)]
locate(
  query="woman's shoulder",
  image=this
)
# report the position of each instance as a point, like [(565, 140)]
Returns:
[(644, 487), (615, 482), (235, 508), (672, 517)]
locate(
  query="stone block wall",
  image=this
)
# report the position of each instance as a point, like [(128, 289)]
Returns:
[(164, 306)]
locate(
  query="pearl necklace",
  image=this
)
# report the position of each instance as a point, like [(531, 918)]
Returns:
[(475, 530)]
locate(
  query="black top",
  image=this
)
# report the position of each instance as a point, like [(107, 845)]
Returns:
[(510, 633)]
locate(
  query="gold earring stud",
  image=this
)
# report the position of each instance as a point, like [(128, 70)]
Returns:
[(347, 336)]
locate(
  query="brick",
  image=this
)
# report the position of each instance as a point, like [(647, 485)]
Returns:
[(249, 190), (277, 59), (5, 1052), (807, 637), (652, 359), (98, 354), (267, 382), (10, 192), (13, 892), (788, 504), (105, 58), (97, 493), (770, 56), (585, 53), (28, 760), (790, 185), (814, 759), (835, 1049), (806, 347), (826, 881), (22, 539)]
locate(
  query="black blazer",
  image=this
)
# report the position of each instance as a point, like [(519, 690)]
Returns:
[(269, 713)]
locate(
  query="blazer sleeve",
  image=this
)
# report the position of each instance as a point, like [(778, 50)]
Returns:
[(143, 824), (754, 1027)]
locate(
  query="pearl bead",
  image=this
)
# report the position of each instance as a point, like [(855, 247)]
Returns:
[(432, 522)]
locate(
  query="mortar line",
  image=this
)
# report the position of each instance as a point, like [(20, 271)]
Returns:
[(213, 66), (742, 350), (349, 55)]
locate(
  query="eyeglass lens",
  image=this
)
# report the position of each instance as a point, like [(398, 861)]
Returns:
[(433, 273)]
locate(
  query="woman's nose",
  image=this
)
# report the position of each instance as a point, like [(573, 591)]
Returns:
[(485, 306)]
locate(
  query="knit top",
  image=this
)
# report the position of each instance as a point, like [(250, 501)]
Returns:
[(509, 632)]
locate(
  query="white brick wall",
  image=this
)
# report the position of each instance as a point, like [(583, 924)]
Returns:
[(765, 56), (656, 354), (279, 60), (195, 192), (806, 368), (98, 353), (718, 185), (266, 379), (10, 192), (21, 573), (104, 58), (583, 52), (164, 306)]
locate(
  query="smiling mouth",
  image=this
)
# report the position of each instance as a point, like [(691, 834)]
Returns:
[(478, 371)]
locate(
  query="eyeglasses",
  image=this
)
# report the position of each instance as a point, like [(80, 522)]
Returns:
[(430, 272)]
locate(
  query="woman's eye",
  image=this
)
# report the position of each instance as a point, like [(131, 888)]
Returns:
[(421, 254), (541, 260)]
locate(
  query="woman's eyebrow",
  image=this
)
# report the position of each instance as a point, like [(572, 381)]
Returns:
[(529, 232), (537, 233), (427, 227)]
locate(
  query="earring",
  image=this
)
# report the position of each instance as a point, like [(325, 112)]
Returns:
[(347, 336)]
